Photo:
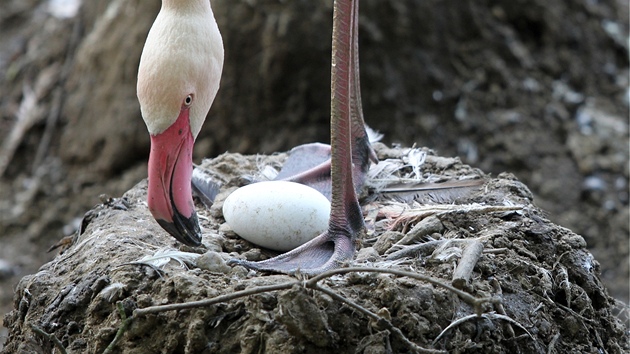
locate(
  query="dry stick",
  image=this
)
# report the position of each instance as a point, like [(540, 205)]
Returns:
[(215, 300), (50, 337), (469, 299), (126, 321), (414, 250), (312, 284), (284, 286), (577, 315), (495, 250), (470, 256), (500, 309), (379, 320), (487, 316), (552, 344)]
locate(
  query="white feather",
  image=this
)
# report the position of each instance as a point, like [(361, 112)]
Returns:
[(163, 256), (373, 135), (416, 160), (113, 292)]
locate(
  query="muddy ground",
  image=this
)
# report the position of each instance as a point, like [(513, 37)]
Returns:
[(549, 295), (534, 88)]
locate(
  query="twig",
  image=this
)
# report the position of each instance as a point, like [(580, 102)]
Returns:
[(51, 337), (414, 250), (470, 256), (499, 307), (126, 321), (495, 250), (552, 343), (469, 299), (487, 316), (381, 321), (452, 325), (313, 284), (491, 316), (215, 300)]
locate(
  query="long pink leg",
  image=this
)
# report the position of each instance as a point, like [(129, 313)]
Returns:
[(348, 143)]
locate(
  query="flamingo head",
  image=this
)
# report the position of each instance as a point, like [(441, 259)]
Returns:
[(178, 78)]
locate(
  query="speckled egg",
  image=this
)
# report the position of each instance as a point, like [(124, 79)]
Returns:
[(277, 215)]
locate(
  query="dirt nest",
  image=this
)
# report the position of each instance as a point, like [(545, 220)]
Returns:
[(537, 88), (551, 299)]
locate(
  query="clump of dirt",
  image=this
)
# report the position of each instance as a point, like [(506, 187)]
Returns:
[(550, 295)]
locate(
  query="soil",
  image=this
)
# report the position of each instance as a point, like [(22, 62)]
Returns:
[(550, 296), (537, 89)]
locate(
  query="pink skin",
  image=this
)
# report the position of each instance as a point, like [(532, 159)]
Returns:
[(170, 170)]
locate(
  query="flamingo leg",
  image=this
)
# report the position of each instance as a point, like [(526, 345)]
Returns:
[(350, 158), (310, 164)]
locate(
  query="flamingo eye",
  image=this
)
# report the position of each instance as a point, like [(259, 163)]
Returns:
[(188, 100)]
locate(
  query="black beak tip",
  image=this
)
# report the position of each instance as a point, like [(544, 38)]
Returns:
[(185, 232)]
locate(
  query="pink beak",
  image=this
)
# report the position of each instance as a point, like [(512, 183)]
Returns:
[(170, 170)]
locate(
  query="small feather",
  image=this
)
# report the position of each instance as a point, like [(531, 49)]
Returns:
[(162, 257), (447, 252), (373, 135), (268, 173), (416, 160), (113, 292)]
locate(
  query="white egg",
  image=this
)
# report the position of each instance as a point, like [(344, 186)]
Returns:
[(277, 215)]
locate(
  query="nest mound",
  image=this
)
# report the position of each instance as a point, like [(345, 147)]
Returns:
[(537, 286)]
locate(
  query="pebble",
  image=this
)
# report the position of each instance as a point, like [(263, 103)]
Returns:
[(213, 262)]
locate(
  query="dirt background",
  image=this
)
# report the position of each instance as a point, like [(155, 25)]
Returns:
[(534, 88)]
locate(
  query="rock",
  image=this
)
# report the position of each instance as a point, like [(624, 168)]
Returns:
[(212, 261), (367, 254)]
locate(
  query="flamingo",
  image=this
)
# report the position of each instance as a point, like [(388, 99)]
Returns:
[(178, 79)]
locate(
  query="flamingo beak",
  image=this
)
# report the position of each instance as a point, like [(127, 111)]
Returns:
[(170, 171)]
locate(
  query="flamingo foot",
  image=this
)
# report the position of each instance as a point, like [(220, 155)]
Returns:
[(309, 164), (325, 252)]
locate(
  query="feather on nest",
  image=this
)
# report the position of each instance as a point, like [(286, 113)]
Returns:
[(163, 256)]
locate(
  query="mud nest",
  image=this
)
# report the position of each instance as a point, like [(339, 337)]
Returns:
[(534, 286)]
